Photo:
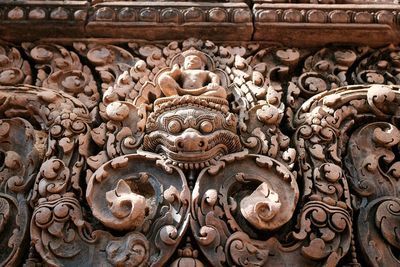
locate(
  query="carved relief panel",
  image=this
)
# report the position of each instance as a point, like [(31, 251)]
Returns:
[(197, 154)]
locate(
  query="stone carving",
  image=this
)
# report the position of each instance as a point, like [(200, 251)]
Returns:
[(13, 69), (198, 154), (192, 132), (130, 252), (65, 72), (21, 152), (299, 24), (151, 202), (261, 206), (289, 22), (124, 203), (191, 78), (187, 257), (338, 111), (226, 189), (377, 231)]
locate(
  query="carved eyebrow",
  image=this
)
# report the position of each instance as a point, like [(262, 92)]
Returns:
[(175, 117), (206, 116)]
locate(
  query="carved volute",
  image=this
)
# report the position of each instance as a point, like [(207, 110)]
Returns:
[(119, 147)]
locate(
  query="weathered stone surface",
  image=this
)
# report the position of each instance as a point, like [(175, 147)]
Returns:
[(305, 25), (292, 23), (194, 152)]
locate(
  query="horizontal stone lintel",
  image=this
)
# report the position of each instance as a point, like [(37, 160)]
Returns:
[(289, 24)]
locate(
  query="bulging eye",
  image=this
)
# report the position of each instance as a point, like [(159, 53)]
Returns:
[(174, 126), (206, 127)]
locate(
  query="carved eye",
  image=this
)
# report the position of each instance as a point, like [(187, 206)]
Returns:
[(174, 126), (206, 127)]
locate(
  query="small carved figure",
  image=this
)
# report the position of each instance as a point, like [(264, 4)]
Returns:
[(191, 79)]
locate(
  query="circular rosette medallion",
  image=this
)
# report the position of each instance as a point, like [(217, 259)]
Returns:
[(250, 194), (133, 193)]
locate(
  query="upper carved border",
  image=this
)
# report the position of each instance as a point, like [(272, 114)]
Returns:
[(296, 24), (314, 25)]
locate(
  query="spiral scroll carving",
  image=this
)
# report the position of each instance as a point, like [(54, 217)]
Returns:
[(197, 154)]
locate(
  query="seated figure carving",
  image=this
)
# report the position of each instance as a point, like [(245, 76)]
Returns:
[(191, 79)]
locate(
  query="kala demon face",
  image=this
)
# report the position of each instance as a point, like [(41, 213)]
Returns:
[(192, 132)]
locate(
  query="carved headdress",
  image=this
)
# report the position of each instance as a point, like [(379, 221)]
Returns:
[(206, 59)]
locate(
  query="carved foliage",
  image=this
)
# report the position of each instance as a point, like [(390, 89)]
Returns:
[(62, 120), (13, 68), (256, 195), (378, 231), (61, 69), (132, 193), (21, 150), (371, 162), (200, 134)]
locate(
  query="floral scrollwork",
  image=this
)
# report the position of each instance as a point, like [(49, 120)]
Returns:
[(58, 230), (152, 203), (371, 160), (332, 237), (198, 154), (14, 69), (14, 228), (247, 252), (132, 251), (60, 69), (252, 203), (378, 231)]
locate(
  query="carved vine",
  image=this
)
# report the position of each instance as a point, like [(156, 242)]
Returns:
[(195, 153)]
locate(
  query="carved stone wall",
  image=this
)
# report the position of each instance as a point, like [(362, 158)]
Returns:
[(193, 152)]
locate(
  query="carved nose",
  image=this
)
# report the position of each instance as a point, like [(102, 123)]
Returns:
[(191, 141)]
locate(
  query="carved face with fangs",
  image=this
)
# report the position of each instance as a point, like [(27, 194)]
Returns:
[(193, 133)]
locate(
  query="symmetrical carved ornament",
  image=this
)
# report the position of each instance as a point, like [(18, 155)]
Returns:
[(197, 154)]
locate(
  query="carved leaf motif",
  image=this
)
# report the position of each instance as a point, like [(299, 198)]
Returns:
[(380, 67), (60, 69), (378, 231), (371, 160), (246, 252), (332, 224), (244, 208), (110, 61), (13, 68), (14, 226), (57, 229), (124, 198), (20, 156), (244, 202), (387, 219), (4, 213), (131, 252)]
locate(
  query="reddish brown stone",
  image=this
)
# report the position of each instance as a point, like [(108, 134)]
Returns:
[(178, 151)]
